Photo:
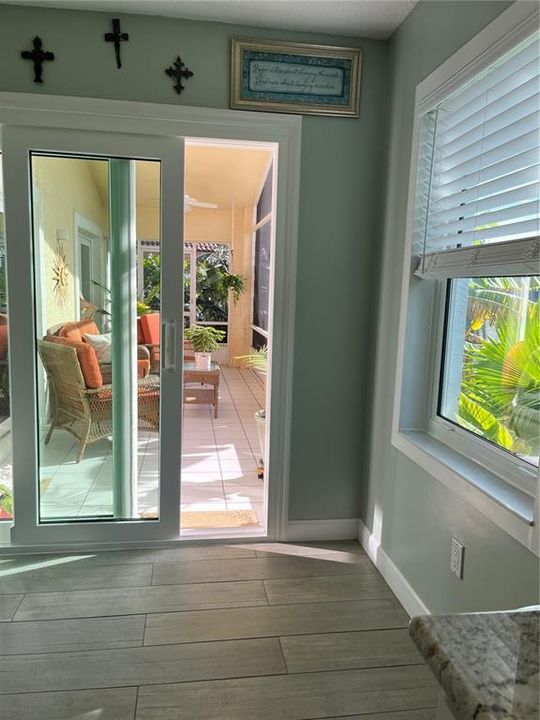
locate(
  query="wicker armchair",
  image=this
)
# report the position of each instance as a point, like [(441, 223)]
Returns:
[(87, 412)]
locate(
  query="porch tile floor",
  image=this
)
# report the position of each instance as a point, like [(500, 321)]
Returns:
[(219, 460)]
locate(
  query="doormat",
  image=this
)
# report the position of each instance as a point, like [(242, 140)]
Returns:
[(218, 519)]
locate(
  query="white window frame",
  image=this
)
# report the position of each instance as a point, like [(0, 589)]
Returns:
[(144, 247), (517, 472), (500, 486)]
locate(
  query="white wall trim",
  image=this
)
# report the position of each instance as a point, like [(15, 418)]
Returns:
[(400, 586), (340, 529)]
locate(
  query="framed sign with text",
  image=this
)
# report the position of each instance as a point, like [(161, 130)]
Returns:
[(296, 78)]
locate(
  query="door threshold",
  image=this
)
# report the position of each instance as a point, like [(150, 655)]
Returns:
[(72, 548), (222, 534)]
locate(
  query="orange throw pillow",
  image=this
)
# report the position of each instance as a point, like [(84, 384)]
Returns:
[(75, 330), (87, 360)]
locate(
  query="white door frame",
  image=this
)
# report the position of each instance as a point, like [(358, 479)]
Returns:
[(284, 131)]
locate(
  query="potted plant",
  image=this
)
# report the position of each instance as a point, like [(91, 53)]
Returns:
[(258, 360), (205, 340), (234, 283)]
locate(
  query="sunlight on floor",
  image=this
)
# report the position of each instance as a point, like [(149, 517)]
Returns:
[(219, 461)]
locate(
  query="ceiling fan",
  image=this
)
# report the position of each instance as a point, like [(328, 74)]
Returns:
[(191, 202)]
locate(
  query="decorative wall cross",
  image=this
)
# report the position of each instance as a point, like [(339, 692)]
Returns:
[(38, 56), (179, 71), (116, 36)]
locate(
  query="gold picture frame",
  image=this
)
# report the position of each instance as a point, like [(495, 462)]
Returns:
[(299, 78)]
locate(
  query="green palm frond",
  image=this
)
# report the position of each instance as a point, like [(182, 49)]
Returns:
[(257, 359), (500, 391), (479, 418)]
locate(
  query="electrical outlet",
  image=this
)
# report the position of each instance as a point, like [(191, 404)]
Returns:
[(457, 554)]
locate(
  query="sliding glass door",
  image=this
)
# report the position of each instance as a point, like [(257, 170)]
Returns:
[(97, 387)]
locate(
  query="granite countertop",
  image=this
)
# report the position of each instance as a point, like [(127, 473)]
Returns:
[(487, 663)]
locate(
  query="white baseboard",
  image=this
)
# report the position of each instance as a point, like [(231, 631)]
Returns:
[(405, 593), (344, 529)]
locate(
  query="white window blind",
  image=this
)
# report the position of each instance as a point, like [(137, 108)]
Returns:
[(479, 210)]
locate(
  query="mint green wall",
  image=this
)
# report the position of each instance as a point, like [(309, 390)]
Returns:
[(340, 210), (418, 514), (343, 278)]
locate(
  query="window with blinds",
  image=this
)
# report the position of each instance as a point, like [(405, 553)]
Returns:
[(478, 187)]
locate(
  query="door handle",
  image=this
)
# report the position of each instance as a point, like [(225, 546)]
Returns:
[(168, 342)]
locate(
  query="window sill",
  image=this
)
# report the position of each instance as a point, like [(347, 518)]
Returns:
[(509, 508)]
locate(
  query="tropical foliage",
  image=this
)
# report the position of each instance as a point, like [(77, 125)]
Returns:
[(6, 502), (151, 280), (257, 359), (500, 388), (213, 282)]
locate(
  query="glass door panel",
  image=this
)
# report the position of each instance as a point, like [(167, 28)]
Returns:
[(98, 397), (106, 370)]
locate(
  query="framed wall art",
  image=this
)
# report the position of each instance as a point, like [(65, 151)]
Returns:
[(295, 78)]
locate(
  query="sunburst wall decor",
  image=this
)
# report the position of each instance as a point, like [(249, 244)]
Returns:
[(60, 271)]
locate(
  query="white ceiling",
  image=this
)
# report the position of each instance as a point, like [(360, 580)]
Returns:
[(359, 18)]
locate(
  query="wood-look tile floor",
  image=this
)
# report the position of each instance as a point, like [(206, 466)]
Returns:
[(221, 632)]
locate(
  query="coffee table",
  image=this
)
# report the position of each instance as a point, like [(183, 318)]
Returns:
[(201, 395)]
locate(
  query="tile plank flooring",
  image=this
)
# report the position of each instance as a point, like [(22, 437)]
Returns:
[(216, 632)]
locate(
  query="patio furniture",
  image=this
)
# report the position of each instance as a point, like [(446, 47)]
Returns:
[(201, 395), (148, 335), (80, 401), (75, 332)]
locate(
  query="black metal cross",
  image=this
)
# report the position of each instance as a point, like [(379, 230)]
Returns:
[(116, 36), (179, 71), (38, 56)]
